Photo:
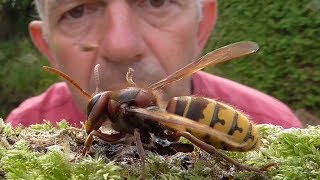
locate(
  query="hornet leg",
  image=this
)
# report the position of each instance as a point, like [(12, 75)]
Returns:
[(141, 153), (213, 151), (102, 136)]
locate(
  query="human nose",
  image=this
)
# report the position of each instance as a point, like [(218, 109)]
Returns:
[(122, 41)]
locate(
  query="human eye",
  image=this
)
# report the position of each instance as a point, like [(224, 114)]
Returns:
[(159, 12), (156, 6), (79, 16), (80, 12), (157, 3), (74, 13)]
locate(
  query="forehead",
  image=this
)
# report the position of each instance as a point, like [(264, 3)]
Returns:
[(52, 4), (52, 7)]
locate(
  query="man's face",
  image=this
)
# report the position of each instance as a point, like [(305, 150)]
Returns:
[(153, 37)]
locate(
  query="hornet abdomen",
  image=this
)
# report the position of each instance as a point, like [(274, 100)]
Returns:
[(220, 117)]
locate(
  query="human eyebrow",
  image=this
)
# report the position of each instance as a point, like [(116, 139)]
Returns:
[(57, 3), (55, 6)]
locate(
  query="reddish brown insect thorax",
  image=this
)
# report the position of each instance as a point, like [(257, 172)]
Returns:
[(125, 99), (137, 97)]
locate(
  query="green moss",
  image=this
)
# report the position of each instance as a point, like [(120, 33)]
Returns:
[(296, 151), (89, 168), (23, 164)]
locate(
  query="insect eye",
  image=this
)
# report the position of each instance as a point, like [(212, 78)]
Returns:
[(92, 103)]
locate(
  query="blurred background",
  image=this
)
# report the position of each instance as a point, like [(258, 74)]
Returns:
[(287, 65)]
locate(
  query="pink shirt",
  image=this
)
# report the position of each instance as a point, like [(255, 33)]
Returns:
[(57, 103)]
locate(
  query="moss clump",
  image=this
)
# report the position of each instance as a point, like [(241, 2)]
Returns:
[(296, 151), (23, 164), (47, 152)]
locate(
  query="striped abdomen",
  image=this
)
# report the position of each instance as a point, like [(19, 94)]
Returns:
[(219, 117)]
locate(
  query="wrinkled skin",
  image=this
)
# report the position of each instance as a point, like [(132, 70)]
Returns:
[(155, 38)]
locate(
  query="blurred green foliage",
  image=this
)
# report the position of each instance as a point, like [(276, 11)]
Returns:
[(286, 66), (14, 18), (21, 75)]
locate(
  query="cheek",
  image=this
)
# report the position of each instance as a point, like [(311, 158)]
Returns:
[(70, 59), (176, 45)]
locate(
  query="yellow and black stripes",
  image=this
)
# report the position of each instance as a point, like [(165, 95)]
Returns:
[(215, 118), (234, 126), (220, 117)]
